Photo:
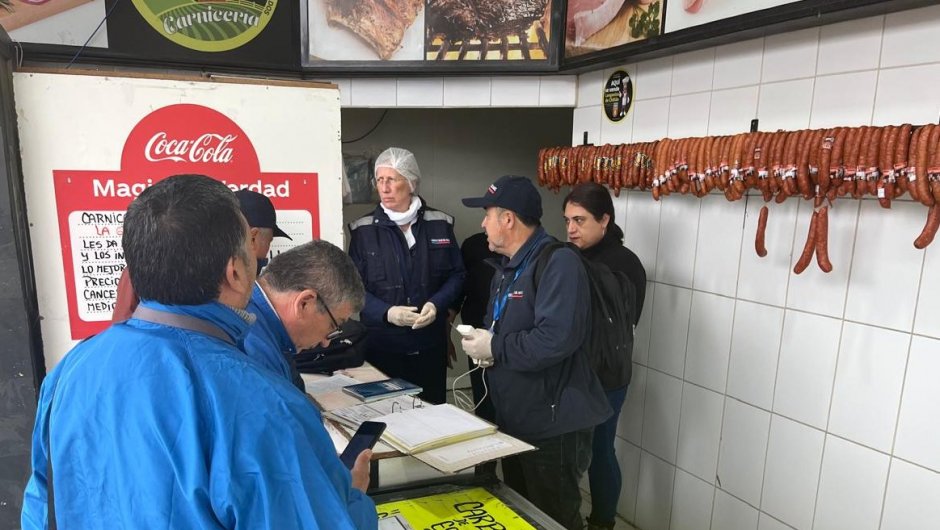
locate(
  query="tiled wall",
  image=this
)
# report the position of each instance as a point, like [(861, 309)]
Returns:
[(445, 92), (762, 399)]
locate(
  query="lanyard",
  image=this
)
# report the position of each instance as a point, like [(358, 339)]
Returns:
[(499, 305)]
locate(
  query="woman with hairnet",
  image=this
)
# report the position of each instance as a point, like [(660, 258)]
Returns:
[(410, 263)]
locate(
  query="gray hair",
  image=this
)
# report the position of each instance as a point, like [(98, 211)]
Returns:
[(321, 266)]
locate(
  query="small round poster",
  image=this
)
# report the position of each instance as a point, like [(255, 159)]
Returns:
[(618, 95)]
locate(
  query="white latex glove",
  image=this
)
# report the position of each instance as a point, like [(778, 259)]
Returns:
[(477, 344), (401, 315), (428, 314)]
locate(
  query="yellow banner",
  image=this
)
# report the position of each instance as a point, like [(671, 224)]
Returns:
[(465, 509)]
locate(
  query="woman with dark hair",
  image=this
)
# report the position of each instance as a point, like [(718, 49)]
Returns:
[(589, 218)]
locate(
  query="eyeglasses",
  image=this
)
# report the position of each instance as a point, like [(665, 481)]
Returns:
[(388, 180), (337, 330)]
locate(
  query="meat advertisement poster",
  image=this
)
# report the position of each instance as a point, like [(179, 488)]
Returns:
[(429, 30), (682, 14), (238, 32), (82, 168), (596, 25)]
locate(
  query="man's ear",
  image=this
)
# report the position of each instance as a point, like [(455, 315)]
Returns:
[(304, 301), (253, 234)]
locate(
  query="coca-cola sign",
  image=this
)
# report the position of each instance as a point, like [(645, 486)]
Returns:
[(186, 138), (207, 148)]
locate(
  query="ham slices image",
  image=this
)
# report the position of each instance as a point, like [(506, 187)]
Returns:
[(692, 6), (587, 17)]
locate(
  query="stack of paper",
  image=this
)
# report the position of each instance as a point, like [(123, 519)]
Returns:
[(415, 430)]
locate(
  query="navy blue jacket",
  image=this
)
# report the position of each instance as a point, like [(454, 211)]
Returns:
[(541, 382), (393, 274)]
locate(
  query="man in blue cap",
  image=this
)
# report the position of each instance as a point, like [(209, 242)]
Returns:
[(542, 385), (262, 218)]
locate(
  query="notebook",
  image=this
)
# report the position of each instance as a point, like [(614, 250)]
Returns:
[(383, 389), (420, 429)]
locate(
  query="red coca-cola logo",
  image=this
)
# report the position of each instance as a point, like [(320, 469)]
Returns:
[(189, 138), (208, 148)]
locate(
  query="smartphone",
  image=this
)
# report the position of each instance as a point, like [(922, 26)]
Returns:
[(365, 438)]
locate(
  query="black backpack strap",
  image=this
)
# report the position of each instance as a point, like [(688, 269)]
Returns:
[(545, 253), (187, 322)]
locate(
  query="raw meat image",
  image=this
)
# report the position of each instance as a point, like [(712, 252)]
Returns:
[(594, 25)]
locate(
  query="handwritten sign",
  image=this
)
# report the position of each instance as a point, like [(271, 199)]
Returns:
[(98, 260), (466, 509)]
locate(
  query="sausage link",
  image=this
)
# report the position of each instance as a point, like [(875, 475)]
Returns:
[(759, 245), (930, 228), (923, 160), (822, 240), (808, 249)]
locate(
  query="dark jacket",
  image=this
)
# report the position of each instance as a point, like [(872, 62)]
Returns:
[(393, 274), (541, 383), (476, 251), (611, 252)]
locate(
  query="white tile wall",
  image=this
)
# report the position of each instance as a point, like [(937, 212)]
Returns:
[(558, 90), (814, 290), (706, 360), (904, 35), (688, 115), (851, 487), (881, 254), (834, 106), (730, 343), (693, 71), (928, 301), (653, 79), (738, 64), (794, 455), (515, 92), (661, 415), (918, 436), (867, 390), (850, 46), (906, 95), (713, 272), (700, 431), (586, 119), (678, 231), (785, 105), (650, 120), (467, 91), (732, 110), (642, 334), (911, 501), (765, 279), (421, 92), (743, 450), (755, 344), (669, 329), (807, 367), (733, 514), (628, 456), (790, 55), (373, 93), (630, 426), (692, 509), (654, 494)]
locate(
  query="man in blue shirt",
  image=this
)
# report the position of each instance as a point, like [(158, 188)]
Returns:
[(290, 300), (161, 421)]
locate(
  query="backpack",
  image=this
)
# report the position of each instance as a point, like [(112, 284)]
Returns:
[(609, 344)]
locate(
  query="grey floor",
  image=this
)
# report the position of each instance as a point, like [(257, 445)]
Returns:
[(586, 509)]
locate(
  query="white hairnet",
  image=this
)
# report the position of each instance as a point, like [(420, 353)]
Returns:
[(402, 161)]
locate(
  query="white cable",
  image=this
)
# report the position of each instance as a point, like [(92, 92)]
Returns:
[(461, 399)]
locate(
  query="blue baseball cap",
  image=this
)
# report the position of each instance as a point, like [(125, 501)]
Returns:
[(511, 192), (258, 211)]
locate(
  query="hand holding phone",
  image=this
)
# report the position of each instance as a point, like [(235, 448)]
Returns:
[(365, 438)]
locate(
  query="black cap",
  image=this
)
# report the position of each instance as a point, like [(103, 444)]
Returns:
[(511, 192), (259, 211)]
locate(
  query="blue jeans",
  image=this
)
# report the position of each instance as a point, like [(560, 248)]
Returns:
[(604, 473)]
